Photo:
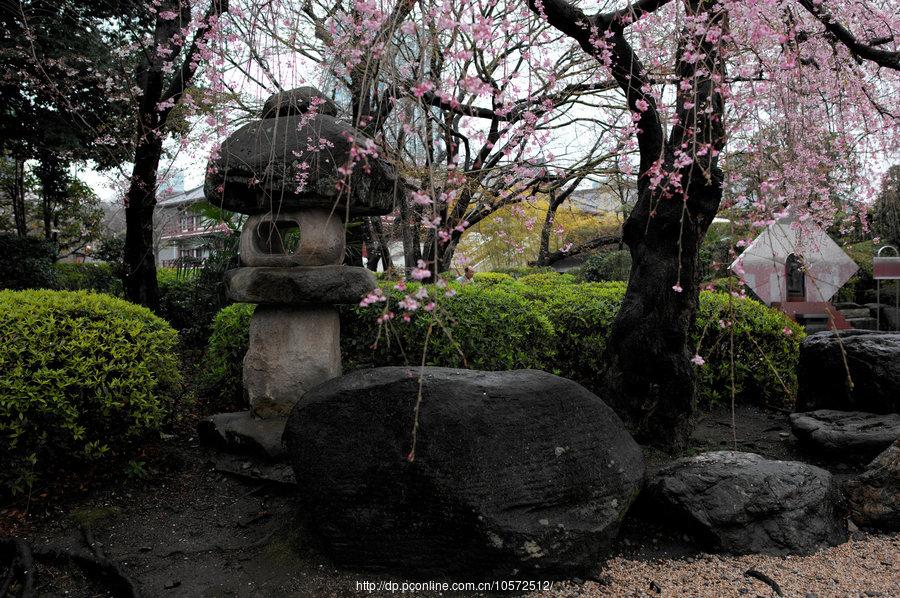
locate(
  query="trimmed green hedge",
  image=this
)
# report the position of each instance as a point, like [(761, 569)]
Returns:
[(497, 330), (546, 321), (82, 375), (94, 276)]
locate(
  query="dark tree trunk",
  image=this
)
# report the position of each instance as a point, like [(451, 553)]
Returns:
[(54, 178), (20, 217), (544, 251), (412, 240), (650, 378), (140, 256), (356, 236)]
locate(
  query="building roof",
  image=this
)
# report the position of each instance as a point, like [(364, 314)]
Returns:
[(183, 197)]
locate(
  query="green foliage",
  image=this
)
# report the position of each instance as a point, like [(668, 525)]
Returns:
[(493, 328), (520, 271), (112, 251), (489, 278), (582, 316), (27, 263), (190, 299), (763, 344), (886, 215), (221, 371), (607, 265), (483, 327), (861, 287), (717, 251), (95, 276), (545, 321), (547, 279), (82, 376)]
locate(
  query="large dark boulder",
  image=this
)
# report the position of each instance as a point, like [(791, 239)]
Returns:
[(743, 503), (875, 494), (513, 472), (872, 359), (845, 435)]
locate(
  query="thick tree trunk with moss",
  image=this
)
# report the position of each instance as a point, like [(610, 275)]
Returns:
[(650, 377)]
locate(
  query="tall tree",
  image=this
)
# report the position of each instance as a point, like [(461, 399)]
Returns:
[(679, 181), (168, 66), (52, 114), (650, 377)]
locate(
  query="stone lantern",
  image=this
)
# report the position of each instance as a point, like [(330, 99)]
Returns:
[(285, 172)]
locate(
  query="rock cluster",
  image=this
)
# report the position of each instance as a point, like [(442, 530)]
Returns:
[(875, 495), (845, 435), (511, 472)]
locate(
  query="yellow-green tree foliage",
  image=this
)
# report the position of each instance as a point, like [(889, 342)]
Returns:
[(511, 236)]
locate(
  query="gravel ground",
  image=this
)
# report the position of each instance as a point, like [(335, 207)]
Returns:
[(868, 566)]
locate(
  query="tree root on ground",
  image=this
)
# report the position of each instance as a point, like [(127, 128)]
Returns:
[(765, 579), (22, 557)]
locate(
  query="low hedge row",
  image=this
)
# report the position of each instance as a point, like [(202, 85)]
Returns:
[(496, 330), (82, 376), (545, 321)]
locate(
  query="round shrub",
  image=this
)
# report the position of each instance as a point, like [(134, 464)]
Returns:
[(82, 376), (764, 345), (582, 316)]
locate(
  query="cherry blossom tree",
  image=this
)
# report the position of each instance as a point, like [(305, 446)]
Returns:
[(797, 98), (465, 114), (784, 49)]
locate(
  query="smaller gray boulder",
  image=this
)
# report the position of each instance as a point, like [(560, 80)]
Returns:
[(845, 435), (875, 494), (243, 434), (743, 503)]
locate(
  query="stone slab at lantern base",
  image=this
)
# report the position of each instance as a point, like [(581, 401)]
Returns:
[(291, 349), (244, 434), (300, 284)]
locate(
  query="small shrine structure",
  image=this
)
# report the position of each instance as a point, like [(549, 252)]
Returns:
[(795, 266)]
